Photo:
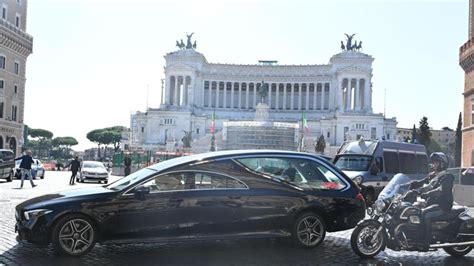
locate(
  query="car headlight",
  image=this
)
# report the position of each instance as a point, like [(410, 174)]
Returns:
[(358, 180), (29, 215), (379, 206)]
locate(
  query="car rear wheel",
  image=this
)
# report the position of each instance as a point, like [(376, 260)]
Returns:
[(9, 177), (458, 251), (42, 176), (74, 235), (308, 230)]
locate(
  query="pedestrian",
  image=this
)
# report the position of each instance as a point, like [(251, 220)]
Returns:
[(25, 167), (75, 167), (127, 162)]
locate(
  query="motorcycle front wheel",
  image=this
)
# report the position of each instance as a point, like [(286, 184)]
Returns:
[(361, 239), (458, 251)]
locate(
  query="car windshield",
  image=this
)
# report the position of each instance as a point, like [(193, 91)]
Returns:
[(92, 165), (353, 162), (131, 179)]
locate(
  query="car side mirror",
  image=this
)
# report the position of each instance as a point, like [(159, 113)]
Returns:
[(141, 191)]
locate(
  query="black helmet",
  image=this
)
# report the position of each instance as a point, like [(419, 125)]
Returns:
[(441, 158)]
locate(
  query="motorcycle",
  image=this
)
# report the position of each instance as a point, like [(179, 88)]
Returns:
[(396, 222)]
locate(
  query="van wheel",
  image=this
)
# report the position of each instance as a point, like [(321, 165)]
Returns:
[(9, 177)]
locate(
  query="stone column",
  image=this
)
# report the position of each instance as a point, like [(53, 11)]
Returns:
[(306, 107), (240, 96), (168, 90), (299, 96), (232, 95), (176, 90), (357, 96), (254, 94), (270, 95), (323, 93), (210, 93), (277, 101), (292, 96), (340, 96), (314, 96), (284, 97), (247, 89), (348, 94)]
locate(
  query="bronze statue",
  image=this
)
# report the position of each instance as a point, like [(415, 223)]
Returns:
[(188, 137), (194, 45), (349, 41), (182, 44), (342, 46), (189, 45), (359, 46), (263, 91)]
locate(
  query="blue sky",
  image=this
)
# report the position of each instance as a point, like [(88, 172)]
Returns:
[(93, 60)]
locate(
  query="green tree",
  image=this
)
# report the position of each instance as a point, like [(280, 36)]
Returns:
[(424, 132), (458, 144), (43, 137), (107, 136), (64, 145), (320, 145), (95, 136)]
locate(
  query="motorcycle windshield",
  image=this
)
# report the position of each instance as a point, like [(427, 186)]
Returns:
[(398, 184)]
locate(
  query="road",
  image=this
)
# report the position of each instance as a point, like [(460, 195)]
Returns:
[(335, 250)]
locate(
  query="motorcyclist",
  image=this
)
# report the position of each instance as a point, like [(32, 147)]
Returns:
[(437, 190)]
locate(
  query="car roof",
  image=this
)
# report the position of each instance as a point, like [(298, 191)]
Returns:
[(223, 154), (92, 162)]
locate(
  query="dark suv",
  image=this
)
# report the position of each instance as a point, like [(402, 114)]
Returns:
[(7, 163)]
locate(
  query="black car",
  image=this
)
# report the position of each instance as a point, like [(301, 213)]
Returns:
[(219, 195)]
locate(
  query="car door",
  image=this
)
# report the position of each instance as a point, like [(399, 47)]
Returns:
[(213, 205), (158, 214)]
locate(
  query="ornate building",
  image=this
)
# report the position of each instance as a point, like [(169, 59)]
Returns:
[(335, 98), (466, 60), (15, 46)]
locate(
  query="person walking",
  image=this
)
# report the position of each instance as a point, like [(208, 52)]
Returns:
[(75, 167), (25, 167)]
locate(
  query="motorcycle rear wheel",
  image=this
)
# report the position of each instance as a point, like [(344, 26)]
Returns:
[(458, 251)]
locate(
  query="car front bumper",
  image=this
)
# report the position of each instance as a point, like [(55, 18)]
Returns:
[(34, 231)]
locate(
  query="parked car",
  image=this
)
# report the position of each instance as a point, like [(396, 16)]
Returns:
[(7, 163), (218, 195), (95, 171), (37, 169)]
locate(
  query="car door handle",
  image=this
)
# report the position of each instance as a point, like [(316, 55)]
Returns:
[(176, 200)]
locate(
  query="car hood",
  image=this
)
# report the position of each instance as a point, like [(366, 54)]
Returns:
[(63, 196), (352, 174), (94, 170)]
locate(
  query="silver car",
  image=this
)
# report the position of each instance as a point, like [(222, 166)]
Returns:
[(91, 170)]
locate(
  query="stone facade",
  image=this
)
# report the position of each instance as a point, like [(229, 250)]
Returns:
[(336, 99), (466, 61), (15, 46)]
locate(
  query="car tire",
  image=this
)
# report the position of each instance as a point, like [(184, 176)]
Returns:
[(308, 230), (74, 235), (42, 177), (82, 180), (9, 177), (106, 181)]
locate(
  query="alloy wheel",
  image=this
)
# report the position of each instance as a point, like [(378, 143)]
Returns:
[(310, 231), (76, 236)]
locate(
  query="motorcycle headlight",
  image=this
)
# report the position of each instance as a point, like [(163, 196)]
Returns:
[(414, 219), (358, 180), (379, 206), (29, 215)]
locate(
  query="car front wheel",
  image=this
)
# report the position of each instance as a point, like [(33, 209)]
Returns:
[(74, 235), (308, 230)]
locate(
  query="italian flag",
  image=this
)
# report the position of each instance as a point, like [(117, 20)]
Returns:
[(213, 122), (304, 123)]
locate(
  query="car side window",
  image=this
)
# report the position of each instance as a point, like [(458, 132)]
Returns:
[(166, 182), (215, 181)]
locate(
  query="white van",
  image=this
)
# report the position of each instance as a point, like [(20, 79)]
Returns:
[(372, 163)]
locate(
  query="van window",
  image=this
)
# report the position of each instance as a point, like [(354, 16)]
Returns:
[(392, 165), (407, 163), (422, 163)]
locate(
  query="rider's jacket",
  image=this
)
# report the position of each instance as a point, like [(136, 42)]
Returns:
[(438, 189)]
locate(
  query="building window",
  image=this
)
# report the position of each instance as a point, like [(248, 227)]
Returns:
[(2, 84), (373, 133), (16, 69), (1, 108), (14, 112), (388, 136), (4, 12), (197, 130), (168, 121), (2, 61), (328, 135), (143, 129), (17, 20), (15, 88)]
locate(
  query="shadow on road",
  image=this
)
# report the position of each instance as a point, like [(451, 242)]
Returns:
[(335, 250)]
